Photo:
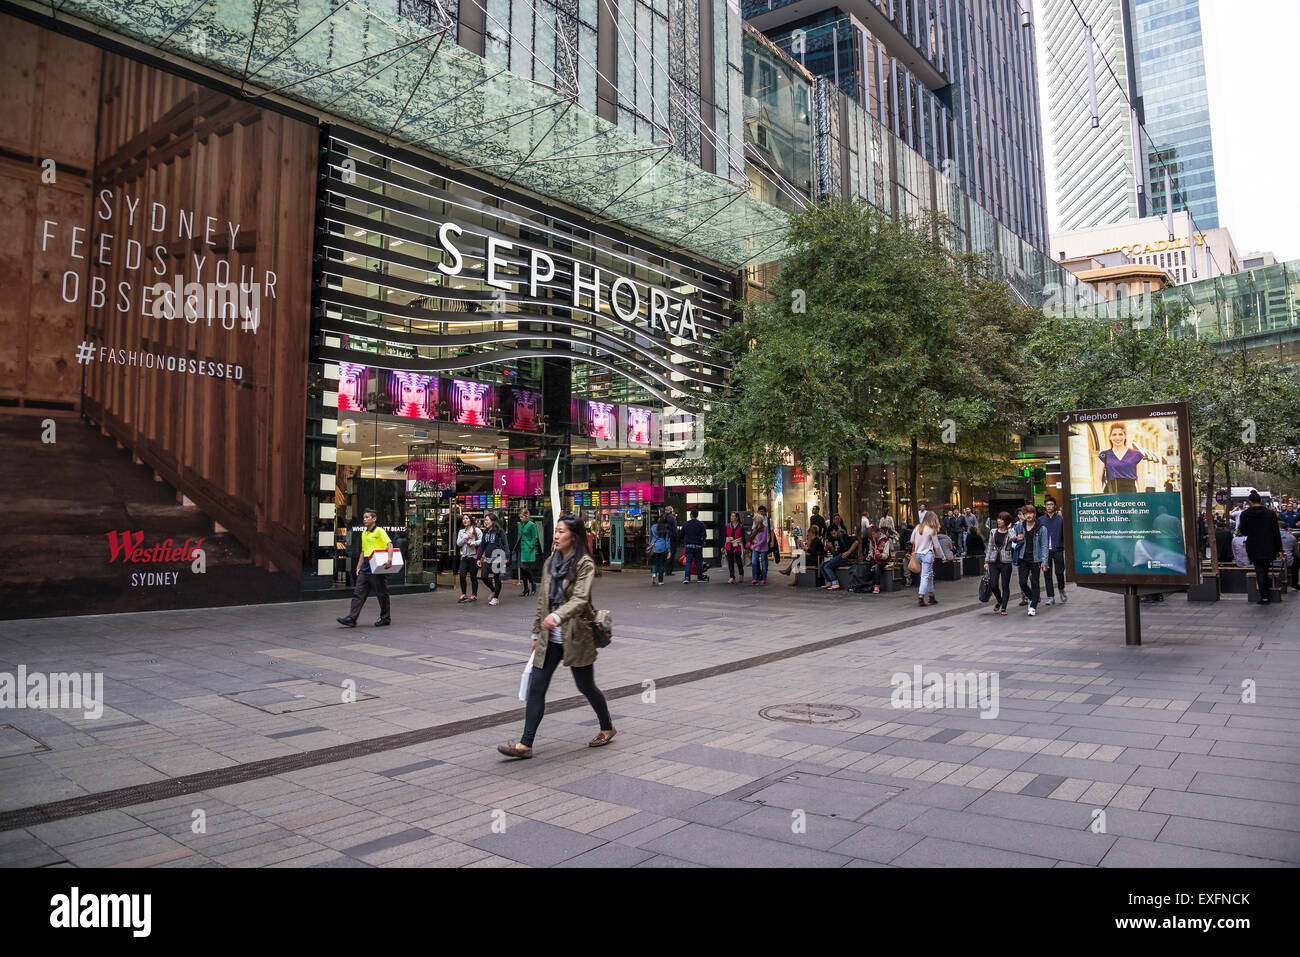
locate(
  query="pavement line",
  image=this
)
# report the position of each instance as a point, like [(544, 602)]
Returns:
[(200, 781)]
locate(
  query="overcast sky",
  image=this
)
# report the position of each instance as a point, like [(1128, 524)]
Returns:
[(1251, 54)]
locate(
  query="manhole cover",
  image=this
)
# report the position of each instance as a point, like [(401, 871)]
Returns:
[(809, 713)]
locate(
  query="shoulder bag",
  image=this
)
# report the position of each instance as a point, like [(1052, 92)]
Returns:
[(986, 588), (601, 624)]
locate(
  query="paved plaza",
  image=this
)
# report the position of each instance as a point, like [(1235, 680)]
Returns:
[(755, 728)]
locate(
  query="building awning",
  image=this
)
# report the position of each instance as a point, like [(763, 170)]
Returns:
[(414, 86)]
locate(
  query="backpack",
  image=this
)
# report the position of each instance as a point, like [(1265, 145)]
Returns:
[(860, 577)]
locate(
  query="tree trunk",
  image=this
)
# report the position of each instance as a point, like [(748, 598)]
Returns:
[(1209, 520), (911, 483)]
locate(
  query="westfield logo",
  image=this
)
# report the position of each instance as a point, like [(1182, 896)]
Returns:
[(130, 547)]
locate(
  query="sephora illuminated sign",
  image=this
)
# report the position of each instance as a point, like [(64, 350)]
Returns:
[(666, 312)]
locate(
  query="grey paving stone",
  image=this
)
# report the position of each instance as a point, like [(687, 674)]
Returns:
[(944, 736), (715, 847), (1041, 840), (536, 844), (662, 799), (1042, 785), (663, 860), (609, 855), (408, 768), (937, 852), (1216, 808), (812, 734), (1255, 789), (777, 824), (633, 822), (342, 862), (1264, 770), (724, 759), (1082, 768), (386, 842), (1168, 778), (717, 812), (1131, 852), (878, 844), (838, 798), (293, 734), (1262, 842), (651, 831)]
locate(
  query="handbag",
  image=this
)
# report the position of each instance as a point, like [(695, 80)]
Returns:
[(913, 565), (601, 624), (986, 588)]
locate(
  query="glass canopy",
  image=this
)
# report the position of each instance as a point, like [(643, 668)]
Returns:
[(413, 85)]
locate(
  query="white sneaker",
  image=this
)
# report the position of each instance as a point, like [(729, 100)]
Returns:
[(1062, 596), (1032, 612), (1051, 600)]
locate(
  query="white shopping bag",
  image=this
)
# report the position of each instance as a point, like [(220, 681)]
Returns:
[(523, 681)]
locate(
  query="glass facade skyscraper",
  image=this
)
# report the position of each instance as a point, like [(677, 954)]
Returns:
[(1152, 111), (1172, 67), (955, 80)]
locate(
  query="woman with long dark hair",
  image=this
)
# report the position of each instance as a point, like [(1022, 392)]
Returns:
[(561, 634), (493, 556)]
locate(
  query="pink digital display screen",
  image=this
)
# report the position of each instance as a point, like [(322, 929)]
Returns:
[(472, 403), (413, 395), (638, 425), (596, 420), (525, 411), (356, 382)]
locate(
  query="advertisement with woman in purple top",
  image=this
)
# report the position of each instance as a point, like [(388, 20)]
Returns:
[(1121, 468)]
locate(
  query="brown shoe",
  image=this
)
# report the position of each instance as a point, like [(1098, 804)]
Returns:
[(602, 739), (920, 600), (931, 600), (514, 750)]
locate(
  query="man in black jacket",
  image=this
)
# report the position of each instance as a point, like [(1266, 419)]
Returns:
[(693, 534), (1263, 543)]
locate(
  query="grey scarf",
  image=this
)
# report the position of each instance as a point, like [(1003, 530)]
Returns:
[(559, 574)]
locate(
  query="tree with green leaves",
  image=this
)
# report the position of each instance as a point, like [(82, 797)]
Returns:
[(1242, 408), (873, 340)]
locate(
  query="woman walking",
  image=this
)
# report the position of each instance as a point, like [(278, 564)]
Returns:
[(468, 540), (759, 544), (492, 551), (997, 562), (926, 547), (560, 634), (527, 545), (734, 546)]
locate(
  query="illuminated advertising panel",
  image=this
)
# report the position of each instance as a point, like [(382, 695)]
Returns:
[(1129, 509)]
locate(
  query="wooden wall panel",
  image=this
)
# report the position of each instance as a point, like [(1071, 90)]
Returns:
[(50, 93), (235, 449)]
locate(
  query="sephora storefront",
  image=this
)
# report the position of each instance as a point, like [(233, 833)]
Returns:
[(468, 343)]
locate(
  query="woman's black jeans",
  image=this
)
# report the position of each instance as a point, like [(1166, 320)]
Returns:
[(526, 575), (736, 564), (1000, 583), (468, 566), (540, 680)]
